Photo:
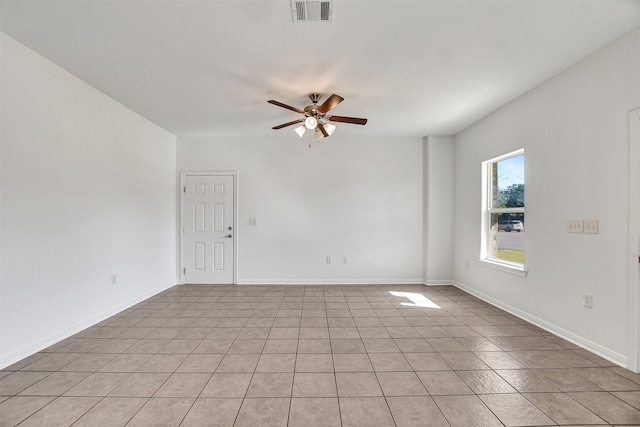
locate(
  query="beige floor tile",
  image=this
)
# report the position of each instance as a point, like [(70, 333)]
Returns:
[(316, 412), (443, 345), (536, 359), (204, 363), (352, 363), (313, 345), (347, 345), (111, 411), (357, 384), (527, 381), (267, 355), (212, 412), (227, 385), (140, 384), (630, 397), (499, 360), (562, 409), (567, 380), (270, 385), (253, 333), (126, 363), (264, 412), (515, 410), (63, 411), (383, 362), (314, 384), (465, 411), (55, 384), (416, 411), (608, 407), (97, 384), (400, 384), (426, 362), (162, 412), (183, 385), (443, 383), (485, 382), (365, 412), (606, 379), (314, 363), (413, 345), (16, 382), (16, 409), (380, 345), (52, 362), (163, 363), (280, 346), (215, 346), (276, 363), (246, 346), (235, 363), (463, 360)]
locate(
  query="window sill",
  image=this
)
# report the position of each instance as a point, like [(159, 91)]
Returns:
[(503, 266)]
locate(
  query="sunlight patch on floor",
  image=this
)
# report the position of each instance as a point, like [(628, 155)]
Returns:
[(417, 300)]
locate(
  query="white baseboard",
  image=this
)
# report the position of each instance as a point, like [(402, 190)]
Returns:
[(444, 282), (41, 344), (272, 282), (601, 351)]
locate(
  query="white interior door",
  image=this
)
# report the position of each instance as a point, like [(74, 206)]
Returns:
[(208, 232)]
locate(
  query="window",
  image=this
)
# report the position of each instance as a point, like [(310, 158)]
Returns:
[(503, 219)]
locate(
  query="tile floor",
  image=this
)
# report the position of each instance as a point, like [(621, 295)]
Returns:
[(316, 356)]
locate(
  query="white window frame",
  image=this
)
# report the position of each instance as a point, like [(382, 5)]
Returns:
[(487, 210)]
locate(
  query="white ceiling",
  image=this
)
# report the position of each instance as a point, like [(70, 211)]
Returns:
[(413, 68)]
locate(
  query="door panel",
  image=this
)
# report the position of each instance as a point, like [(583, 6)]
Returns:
[(208, 229)]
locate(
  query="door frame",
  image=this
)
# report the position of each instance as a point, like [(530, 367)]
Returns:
[(634, 241), (181, 189)]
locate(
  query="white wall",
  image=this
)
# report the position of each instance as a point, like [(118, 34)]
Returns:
[(574, 130), (439, 182), (345, 197), (88, 190)]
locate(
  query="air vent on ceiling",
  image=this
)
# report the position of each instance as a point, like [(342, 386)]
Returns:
[(312, 11)]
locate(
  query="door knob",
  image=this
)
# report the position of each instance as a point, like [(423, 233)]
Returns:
[(228, 236)]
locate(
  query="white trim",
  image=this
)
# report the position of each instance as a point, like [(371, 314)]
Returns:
[(415, 281), (504, 266), (181, 255), (43, 343), (485, 218), (444, 282), (601, 351), (634, 240)]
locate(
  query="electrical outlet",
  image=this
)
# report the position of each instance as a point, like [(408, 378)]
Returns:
[(466, 264), (328, 260), (253, 222), (575, 226), (591, 226), (587, 301), (114, 279)]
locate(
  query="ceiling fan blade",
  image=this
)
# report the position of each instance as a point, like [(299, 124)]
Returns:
[(353, 120), (288, 107), (322, 129), (288, 124), (330, 103)]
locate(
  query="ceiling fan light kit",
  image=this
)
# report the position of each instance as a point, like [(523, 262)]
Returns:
[(316, 116)]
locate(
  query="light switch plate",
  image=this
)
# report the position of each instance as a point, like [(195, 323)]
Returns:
[(591, 226), (575, 226)]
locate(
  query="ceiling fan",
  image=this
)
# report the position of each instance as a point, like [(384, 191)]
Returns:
[(316, 116)]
